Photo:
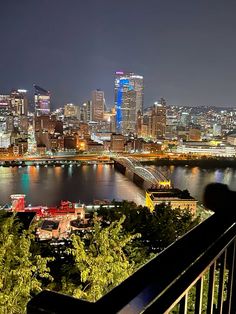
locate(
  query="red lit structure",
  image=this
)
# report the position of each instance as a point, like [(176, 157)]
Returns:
[(18, 202), (65, 207)]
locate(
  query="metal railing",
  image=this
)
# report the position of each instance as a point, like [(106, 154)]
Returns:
[(196, 274)]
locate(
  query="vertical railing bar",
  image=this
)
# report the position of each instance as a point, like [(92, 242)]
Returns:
[(211, 286), (199, 291), (183, 308), (230, 264), (221, 282), (233, 291)]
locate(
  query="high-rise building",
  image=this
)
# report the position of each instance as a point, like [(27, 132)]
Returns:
[(128, 101), (110, 118), (19, 102), (32, 144), (158, 120), (42, 101), (184, 119), (5, 139), (9, 123), (4, 105), (71, 111), (45, 123), (86, 111), (98, 105), (217, 129), (171, 126)]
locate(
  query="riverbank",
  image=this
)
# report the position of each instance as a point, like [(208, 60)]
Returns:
[(52, 163), (208, 163)]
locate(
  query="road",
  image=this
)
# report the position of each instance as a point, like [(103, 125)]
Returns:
[(105, 157)]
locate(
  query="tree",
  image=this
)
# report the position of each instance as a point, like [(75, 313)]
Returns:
[(168, 224), (158, 229), (99, 262), (20, 270)]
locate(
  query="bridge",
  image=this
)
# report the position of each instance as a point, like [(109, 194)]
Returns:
[(140, 174)]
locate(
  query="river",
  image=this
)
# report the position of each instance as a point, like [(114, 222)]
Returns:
[(47, 186)]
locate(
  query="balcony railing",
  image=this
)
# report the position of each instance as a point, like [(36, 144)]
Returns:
[(196, 274)]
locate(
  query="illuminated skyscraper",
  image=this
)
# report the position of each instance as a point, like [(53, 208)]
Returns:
[(5, 102), (86, 111), (42, 101), (5, 113), (158, 120), (185, 119), (128, 101), (32, 144), (98, 105), (217, 129), (19, 102)]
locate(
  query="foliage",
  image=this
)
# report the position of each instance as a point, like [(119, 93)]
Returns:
[(90, 265), (168, 224), (99, 262), (20, 270), (158, 229)]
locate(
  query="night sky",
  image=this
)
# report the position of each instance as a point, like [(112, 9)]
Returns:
[(185, 49)]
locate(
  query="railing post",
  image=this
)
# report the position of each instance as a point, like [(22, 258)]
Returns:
[(221, 283), (231, 296), (199, 292), (183, 306), (210, 296)]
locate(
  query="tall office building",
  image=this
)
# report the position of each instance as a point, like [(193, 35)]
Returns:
[(217, 129), (5, 102), (86, 111), (184, 119), (42, 101), (45, 123), (19, 102), (5, 112), (171, 126), (158, 119), (32, 144), (98, 105), (128, 101)]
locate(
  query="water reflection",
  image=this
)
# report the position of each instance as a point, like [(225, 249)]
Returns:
[(88, 182), (195, 179), (57, 172), (25, 182)]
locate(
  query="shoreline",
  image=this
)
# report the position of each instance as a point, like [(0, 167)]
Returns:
[(203, 163)]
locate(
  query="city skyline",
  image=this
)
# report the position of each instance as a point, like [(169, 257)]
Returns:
[(184, 50)]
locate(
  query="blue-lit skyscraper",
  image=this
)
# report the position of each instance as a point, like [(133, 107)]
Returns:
[(128, 101)]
